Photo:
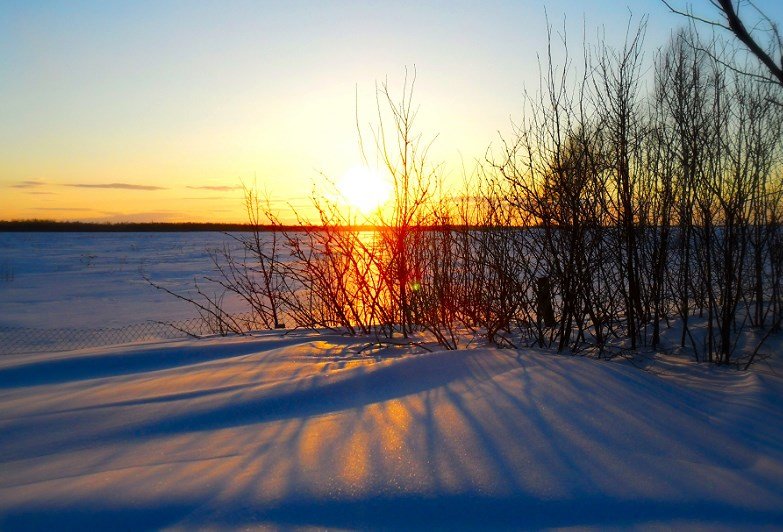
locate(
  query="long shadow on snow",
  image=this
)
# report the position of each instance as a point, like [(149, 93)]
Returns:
[(354, 388), (135, 360), (81, 517)]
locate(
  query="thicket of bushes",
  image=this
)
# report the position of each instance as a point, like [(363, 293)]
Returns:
[(618, 206)]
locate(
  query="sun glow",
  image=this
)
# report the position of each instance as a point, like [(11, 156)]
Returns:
[(363, 189)]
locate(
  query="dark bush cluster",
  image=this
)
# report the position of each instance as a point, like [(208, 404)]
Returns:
[(628, 199)]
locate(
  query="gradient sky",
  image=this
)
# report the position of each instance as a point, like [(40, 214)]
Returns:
[(158, 110)]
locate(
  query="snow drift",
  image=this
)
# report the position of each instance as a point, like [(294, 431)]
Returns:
[(300, 431)]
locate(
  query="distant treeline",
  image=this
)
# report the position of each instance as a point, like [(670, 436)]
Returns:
[(51, 226), (124, 227)]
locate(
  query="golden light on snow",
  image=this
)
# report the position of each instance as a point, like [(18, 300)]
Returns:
[(363, 189)]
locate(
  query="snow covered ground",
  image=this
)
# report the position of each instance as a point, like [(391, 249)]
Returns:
[(95, 280), (302, 431)]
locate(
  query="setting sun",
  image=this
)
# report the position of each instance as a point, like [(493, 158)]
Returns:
[(363, 189)]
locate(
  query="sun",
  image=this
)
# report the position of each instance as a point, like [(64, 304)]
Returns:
[(363, 189)]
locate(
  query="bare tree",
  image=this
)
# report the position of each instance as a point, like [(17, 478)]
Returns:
[(683, 91), (732, 21), (405, 157), (617, 87), (249, 268)]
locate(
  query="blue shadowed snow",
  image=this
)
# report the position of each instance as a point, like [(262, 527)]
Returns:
[(298, 431)]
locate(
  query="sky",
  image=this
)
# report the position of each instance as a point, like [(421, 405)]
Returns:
[(162, 110)]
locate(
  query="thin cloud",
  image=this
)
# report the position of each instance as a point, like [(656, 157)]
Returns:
[(122, 186), (142, 217), (28, 184), (67, 209), (217, 188)]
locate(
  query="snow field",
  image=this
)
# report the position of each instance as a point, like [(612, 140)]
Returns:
[(300, 431)]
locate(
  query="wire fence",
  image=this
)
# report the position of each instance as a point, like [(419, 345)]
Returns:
[(20, 340)]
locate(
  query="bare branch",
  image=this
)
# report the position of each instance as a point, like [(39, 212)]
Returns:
[(736, 26)]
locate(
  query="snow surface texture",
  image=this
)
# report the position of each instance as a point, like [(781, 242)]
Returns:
[(300, 431), (95, 280)]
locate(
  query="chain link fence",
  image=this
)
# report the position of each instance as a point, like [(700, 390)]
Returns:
[(19, 340)]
